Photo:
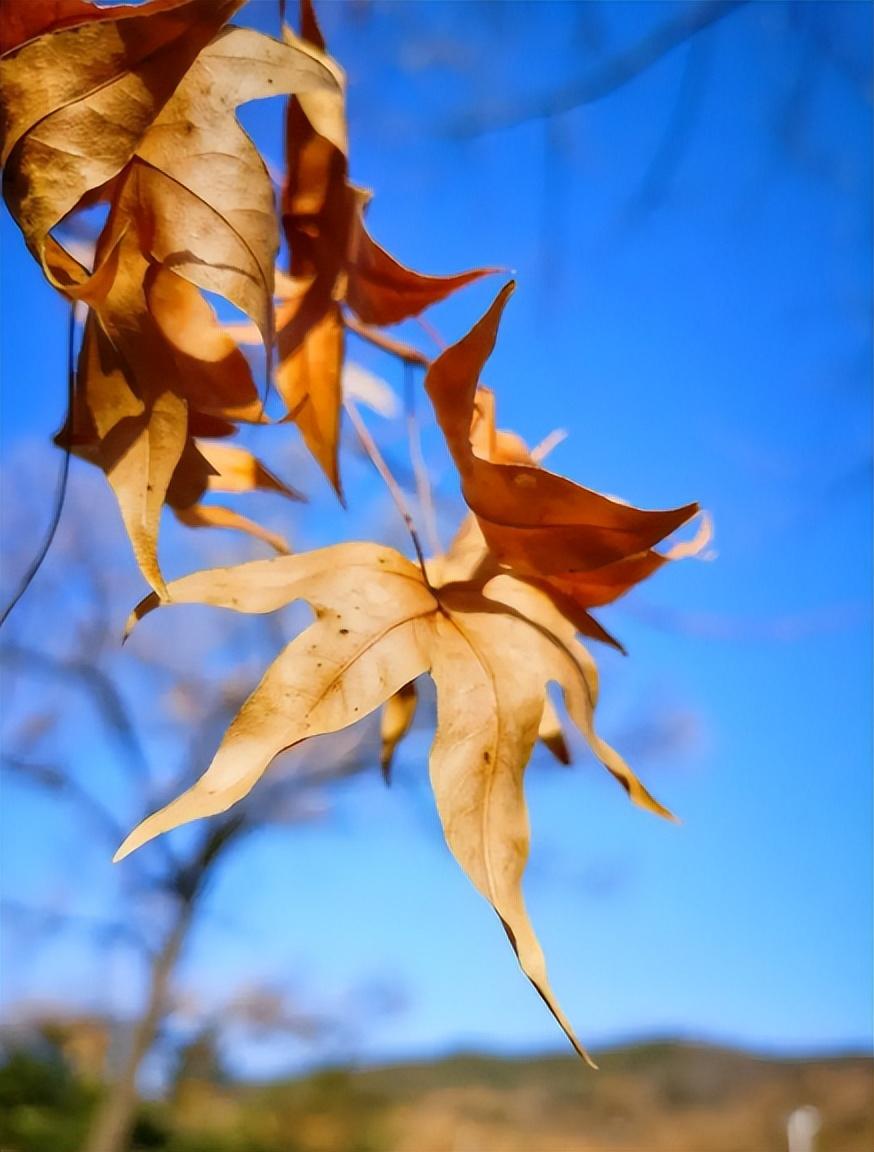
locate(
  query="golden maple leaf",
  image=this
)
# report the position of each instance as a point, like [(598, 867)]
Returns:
[(490, 649)]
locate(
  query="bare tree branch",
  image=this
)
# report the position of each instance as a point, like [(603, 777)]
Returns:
[(104, 694), (46, 920), (605, 79), (48, 776)]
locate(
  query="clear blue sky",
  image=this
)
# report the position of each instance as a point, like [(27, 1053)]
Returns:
[(694, 306)]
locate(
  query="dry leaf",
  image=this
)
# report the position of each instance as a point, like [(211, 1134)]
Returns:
[(551, 733), (131, 417), (381, 291), (148, 447), (81, 98), (334, 261), (209, 466), (584, 547), (24, 21), (308, 376), (137, 106), (217, 516), (491, 651), (398, 713)]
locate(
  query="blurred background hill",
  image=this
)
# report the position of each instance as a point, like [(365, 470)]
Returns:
[(657, 1097)]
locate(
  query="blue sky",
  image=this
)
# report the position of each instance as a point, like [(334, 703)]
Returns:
[(693, 255)]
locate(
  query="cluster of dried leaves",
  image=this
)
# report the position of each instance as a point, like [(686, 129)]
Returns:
[(134, 107)]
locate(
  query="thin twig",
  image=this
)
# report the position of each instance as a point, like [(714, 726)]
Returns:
[(417, 459), (432, 333), (63, 476), (376, 457), (405, 352)]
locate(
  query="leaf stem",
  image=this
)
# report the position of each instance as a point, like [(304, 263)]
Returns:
[(417, 459), (63, 476), (378, 461), (405, 352), (432, 333)]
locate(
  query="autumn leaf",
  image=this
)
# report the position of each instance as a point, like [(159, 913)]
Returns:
[(382, 291), (79, 99), (490, 650), (137, 106), (334, 261), (399, 711), (585, 549), (551, 733), (147, 438), (397, 716), (23, 21), (142, 391), (211, 466)]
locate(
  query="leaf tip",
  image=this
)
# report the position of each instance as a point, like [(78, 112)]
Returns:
[(123, 850), (145, 606)]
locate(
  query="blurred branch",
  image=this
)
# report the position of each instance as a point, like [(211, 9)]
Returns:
[(114, 1118), (56, 779), (103, 692), (190, 878), (47, 920), (609, 76), (653, 187)]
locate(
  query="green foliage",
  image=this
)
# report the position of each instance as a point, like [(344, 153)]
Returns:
[(43, 1107)]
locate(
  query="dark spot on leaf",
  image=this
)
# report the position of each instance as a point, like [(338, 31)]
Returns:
[(344, 631), (487, 757)]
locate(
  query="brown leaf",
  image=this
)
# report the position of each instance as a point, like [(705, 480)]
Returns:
[(382, 291), (214, 467), (308, 377), (80, 99), (137, 107), (551, 733), (129, 382), (398, 713), (118, 397), (26, 19), (334, 261), (588, 548), (469, 558), (491, 650), (209, 193), (235, 469), (140, 103), (211, 370), (217, 516)]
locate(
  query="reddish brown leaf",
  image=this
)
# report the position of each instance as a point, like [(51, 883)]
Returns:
[(382, 291), (588, 547), (334, 260)]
